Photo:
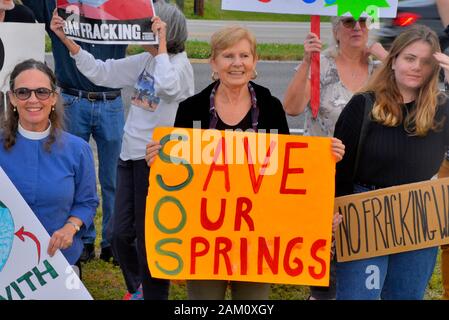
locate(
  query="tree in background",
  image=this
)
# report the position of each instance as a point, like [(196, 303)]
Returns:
[(198, 7)]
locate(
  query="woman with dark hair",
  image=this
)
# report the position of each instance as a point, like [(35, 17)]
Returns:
[(36, 152), (162, 77), (407, 134)]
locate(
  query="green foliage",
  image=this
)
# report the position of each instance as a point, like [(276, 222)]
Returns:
[(47, 43), (198, 49), (201, 50), (356, 8), (266, 51)]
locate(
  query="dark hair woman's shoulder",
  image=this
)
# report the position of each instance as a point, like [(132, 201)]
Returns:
[(197, 101), (272, 114), (194, 108), (354, 110), (20, 13), (358, 101)]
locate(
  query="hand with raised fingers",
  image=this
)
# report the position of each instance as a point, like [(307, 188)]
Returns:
[(57, 25)]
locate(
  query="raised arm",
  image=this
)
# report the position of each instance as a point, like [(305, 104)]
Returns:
[(170, 75), (110, 73), (298, 91), (443, 10), (57, 25)]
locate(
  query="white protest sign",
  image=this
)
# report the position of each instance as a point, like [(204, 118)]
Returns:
[(26, 270), (108, 21), (307, 7), (18, 42)]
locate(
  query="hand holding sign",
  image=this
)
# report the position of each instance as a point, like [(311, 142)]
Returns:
[(159, 28), (338, 149), (152, 151), (57, 25), (311, 44)]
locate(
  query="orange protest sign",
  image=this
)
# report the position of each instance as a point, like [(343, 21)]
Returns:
[(264, 214)]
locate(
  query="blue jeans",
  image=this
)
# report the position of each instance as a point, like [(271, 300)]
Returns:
[(104, 120), (400, 276)]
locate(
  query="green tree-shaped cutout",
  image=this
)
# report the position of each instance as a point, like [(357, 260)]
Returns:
[(357, 7)]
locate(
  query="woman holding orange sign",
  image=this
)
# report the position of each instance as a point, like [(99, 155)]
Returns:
[(233, 102)]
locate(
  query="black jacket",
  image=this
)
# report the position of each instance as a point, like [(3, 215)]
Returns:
[(196, 108)]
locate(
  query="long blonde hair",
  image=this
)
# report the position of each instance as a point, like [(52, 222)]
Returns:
[(387, 109)]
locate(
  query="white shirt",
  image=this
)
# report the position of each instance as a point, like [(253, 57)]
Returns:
[(171, 80)]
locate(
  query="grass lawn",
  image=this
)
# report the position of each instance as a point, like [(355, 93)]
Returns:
[(266, 51), (105, 282), (201, 50)]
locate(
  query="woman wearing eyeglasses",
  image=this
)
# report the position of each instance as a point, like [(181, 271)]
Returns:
[(53, 170), (344, 69)]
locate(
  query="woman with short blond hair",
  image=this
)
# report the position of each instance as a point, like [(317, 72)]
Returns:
[(232, 102)]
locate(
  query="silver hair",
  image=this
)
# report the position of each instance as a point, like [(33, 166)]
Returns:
[(333, 46), (176, 26)]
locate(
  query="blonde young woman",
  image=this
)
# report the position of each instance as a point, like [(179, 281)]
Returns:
[(406, 138), (15, 11)]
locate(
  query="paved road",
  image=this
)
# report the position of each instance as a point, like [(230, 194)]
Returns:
[(274, 75), (265, 32)]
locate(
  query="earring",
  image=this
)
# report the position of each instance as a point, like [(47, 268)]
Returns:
[(14, 109), (215, 76), (53, 108), (255, 74)]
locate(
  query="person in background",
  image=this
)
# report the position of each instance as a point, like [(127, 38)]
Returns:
[(90, 110), (406, 138), (12, 11), (444, 169), (52, 169), (344, 69), (232, 102), (15, 12), (443, 10), (162, 77)]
